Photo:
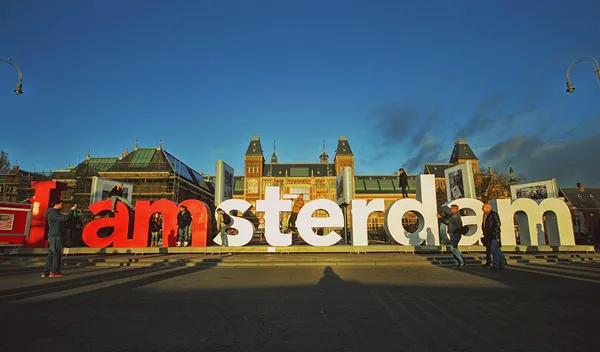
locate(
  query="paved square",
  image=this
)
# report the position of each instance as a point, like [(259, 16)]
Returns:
[(414, 307)]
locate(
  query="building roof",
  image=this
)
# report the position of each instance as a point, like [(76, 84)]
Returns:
[(343, 147), (437, 169), (462, 151), (254, 148), (139, 160), (298, 169), (589, 198), (238, 185), (382, 184)]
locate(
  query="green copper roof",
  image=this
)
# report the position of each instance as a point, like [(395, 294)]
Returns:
[(141, 158), (101, 164)]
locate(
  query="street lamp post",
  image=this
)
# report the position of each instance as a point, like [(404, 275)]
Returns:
[(570, 87), (19, 87)]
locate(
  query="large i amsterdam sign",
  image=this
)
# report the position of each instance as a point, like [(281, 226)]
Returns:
[(130, 228)]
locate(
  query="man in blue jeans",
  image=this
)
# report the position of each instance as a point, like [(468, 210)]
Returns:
[(184, 220), (454, 223), (55, 222), (491, 235)]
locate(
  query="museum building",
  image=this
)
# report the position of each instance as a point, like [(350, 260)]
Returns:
[(316, 180)]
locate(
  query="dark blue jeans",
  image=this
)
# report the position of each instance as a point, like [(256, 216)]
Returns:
[(184, 234), (53, 259), (497, 254), (454, 239)]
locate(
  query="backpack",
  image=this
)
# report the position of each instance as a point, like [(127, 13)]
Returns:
[(226, 218), (464, 230)]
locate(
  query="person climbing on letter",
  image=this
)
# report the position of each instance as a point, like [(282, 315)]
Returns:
[(116, 194)]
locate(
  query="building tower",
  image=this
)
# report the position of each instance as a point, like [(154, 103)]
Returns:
[(254, 162), (324, 157), (343, 156), (274, 156), (462, 152), (511, 173)]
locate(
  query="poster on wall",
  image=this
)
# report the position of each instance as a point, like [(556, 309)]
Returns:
[(535, 190), (101, 187), (460, 182), (223, 182), (344, 187)]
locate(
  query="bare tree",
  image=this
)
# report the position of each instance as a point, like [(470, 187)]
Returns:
[(492, 186), (4, 162)]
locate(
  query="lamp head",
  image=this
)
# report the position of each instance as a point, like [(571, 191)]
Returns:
[(570, 88), (19, 89)]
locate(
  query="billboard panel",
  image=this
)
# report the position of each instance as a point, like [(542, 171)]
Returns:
[(535, 190), (344, 187), (223, 182), (102, 186), (460, 182), (15, 221)]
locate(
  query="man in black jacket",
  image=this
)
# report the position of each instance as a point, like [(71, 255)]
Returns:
[(55, 222), (184, 220), (491, 236), (116, 194), (403, 182)]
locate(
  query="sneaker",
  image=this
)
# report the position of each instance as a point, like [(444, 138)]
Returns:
[(462, 265), (185, 244), (44, 275), (178, 244), (57, 274)]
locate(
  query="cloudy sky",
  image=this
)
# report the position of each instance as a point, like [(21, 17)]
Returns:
[(402, 80)]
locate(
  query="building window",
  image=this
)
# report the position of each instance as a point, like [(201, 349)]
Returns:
[(253, 186)]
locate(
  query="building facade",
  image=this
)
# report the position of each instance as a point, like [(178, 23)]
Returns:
[(15, 184), (154, 173), (315, 180)]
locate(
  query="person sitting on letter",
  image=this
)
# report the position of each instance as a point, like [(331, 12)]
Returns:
[(116, 194)]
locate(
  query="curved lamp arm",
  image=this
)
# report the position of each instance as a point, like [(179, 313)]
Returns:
[(19, 87), (570, 87)]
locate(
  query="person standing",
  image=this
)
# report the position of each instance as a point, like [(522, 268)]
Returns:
[(155, 227), (73, 228), (298, 204), (223, 221), (116, 194), (491, 233), (454, 223), (55, 221), (184, 220), (403, 182)]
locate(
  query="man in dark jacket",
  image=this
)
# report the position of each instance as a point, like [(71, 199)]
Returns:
[(454, 223), (55, 222), (184, 220), (116, 194), (491, 236), (403, 182)]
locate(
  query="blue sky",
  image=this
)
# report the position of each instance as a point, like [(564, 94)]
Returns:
[(402, 80)]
